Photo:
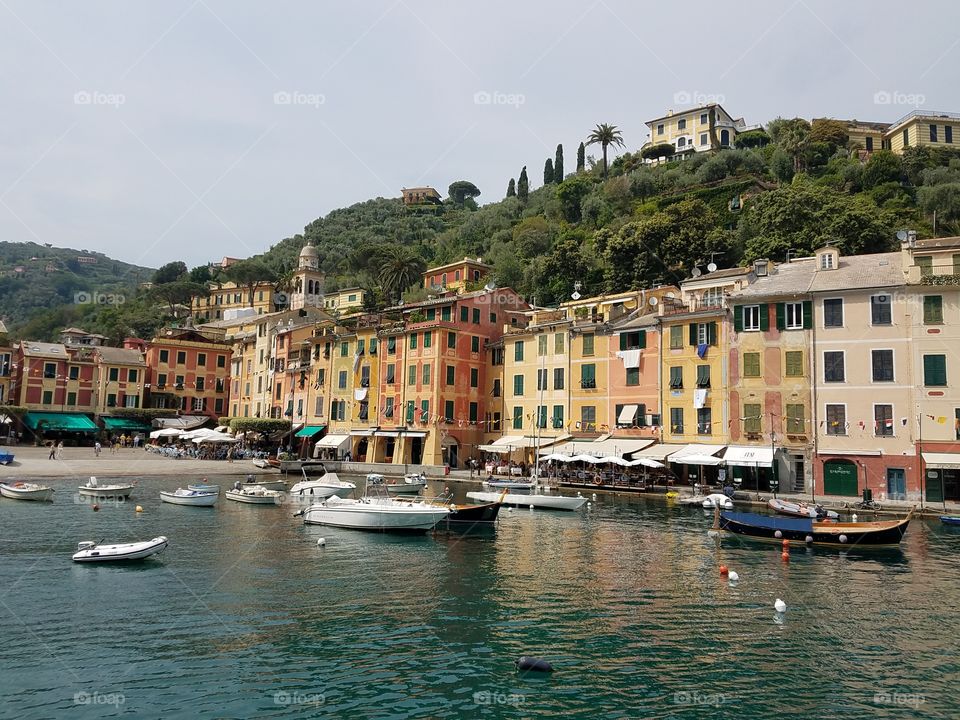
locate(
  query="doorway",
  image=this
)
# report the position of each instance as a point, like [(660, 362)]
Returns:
[(896, 484)]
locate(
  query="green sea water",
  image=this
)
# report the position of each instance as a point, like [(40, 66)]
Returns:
[(246, 616)]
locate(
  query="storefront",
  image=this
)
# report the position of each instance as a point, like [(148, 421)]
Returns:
[(752, 467), (941, 477)]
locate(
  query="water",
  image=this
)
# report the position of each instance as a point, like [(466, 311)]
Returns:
[(245, 616)]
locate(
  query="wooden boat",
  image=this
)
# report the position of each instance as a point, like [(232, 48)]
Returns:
[(950, 519), (26, 491), (95, 489), (801, 509), (255, 495), (189, 497), (541, 502), (807, 531), (91, 552), (472, 514)]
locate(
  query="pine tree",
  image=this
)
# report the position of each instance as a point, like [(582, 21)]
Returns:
[(523, 186), (548, 172), (581, 158), (558, 165), (512, 188)]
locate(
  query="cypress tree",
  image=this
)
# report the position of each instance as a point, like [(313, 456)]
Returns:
[(548, 172), (558, 165), (581, 158), (523, 186), (512, 188)]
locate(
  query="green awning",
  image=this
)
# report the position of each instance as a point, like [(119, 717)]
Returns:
[(310, 430), (122, 424), (59, 422)]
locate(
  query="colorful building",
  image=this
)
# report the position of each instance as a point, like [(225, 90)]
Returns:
[(189, 370), (697, 129), (456, 276), (924, 128)]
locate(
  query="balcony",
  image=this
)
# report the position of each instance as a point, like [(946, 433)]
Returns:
[(588, 384)]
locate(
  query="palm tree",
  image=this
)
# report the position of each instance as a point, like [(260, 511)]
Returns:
[(605, 135), (399, 268)]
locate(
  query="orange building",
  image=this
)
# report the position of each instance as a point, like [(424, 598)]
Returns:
[(189, 371)]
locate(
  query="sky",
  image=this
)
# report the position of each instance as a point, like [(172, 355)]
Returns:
[(193, 129)]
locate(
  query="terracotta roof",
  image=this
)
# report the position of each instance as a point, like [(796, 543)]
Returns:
[(120, 356)]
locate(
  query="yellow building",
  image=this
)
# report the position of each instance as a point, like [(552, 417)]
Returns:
[(924, 128), (459, 276), (864, 137), (705, 127), (346, 301), (227, 300)]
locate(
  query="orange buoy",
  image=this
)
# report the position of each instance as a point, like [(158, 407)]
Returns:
[(96, 507), (785, 556), (786, 543), (723, 570)]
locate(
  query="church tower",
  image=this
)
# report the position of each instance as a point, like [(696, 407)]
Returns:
[(307, 281)]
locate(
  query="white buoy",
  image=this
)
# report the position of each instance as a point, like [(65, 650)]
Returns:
[(578, 494), (589, 505), (594, 496), (854, 518), (732, 576), (809, 539), (780, 606), (843, 538), (321, 542), (778, 534), (712, 533), (531, 507)]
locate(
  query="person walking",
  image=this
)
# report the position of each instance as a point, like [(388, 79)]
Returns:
[(60, 450), (53, 450), (97, 447)]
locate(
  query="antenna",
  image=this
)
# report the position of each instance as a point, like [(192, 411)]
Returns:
[(490, 286), (696, 272)]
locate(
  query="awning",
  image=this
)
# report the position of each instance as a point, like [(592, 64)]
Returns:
[(594, 460), (308, 431), (121, 424), (659, 451), (184, 422), (942, 461), (602, 447), (164, 433), (363, 433), (334, 441), (398, 433), (748, 456), (59, 422), (627, 414), (696, 454), (865, 453)]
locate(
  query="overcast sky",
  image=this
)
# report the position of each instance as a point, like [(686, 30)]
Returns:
[(192, 130)]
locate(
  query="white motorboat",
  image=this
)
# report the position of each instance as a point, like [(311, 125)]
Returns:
[(545, 502), (266, 484), (384, 514), (411, 484), (88, 551), (717, 500), (255, 495), (692, 500), (262, 463), (204, 487), (510, 484), (323, 487), (196, 498), (95, 489), (26, 491)]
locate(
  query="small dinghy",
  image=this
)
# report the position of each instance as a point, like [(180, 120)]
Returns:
[(95, 489), (696, 500), (196, 498), (255, 495), (510, 484), (204, 487), (88, 551), (26, 491), (800, 509), (717, 500), (325, 486), (411, 484)]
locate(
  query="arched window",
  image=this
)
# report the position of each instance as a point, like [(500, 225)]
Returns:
[(682, 142), (725, 138)]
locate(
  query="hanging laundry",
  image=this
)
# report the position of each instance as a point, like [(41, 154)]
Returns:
[(702, 351), (631, 358), (699, 398)]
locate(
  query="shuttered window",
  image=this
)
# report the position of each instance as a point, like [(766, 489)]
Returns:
[(751, 418), (751, 364), (935, 370), (793, 360)]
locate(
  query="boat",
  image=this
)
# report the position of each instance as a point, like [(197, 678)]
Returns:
[(715, 500), (295, 465), (692, 500), (511, 484), (464, 515), (204, 487), (411, 484), (196, 498), (262, 463), (26, 491), (545, 502), (803, 531), (255, 495), (6, 457), (384, 514), (266, 484), (950, 519), (95, 489), (325, 486), (88, 551), (801, 509)]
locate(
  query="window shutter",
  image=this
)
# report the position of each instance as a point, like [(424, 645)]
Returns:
[(643, 338), (764, 317), (738, 318), (807, 314), (623, 341), (781, 316), (711, 333), (693, 334)]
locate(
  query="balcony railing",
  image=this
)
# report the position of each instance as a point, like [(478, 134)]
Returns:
[(588, 384)]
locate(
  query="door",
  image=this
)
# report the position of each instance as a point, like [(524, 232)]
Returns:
[(896, 484), (840, 478)]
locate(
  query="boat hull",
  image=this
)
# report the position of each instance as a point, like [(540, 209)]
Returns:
[(109, 491), (376, 516), (128, 552), (508, 485), (312, 490), (206, 499), (797, 530), (253, 499), (950, 519), (404, 488), (483, 513), (267, 484), (543, 502), (36, 493), (202, 487)]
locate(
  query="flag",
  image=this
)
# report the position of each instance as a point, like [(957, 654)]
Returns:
[(941, 420)]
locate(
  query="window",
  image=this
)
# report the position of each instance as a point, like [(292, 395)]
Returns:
[(869, 144), (751, 418), (703, 138), (793, 360), (448, 410), (345, 347), (557, 416), (826, 261), (74, 372), (906, 137), (201, 359), (682, 124), (474, 410), (935, 370), (518, 351), (558, 378), (451, 340), (883, 420), (412, 375), (496, 387), (164, 356), (424, 410), (933, 133), (391, 346), (49, 370), (948, 134), (794, 315), (676, 337), (48, 397), (342, 380), (518, 418), (541, 345), (751, 364), (932, 309), (541, 379), (496, 422), (162, 382), (474, 377), (660, 129), (445, 313), (200, 383), (836, 419), (703, 376), (221, 361), (411, 410), (706, 333), (71, 398), (391, 373), (588, 417), (704, 118), (633, 376), (413, 342), (476, 316), (676, 420), (131, 376), (633, 340), (425, 374), (558, 343), (880, 313), (114, 374), (587, 344), (796, 425), (542, 416), (178, 381), (833, 313), (751, 317), (676, 378), (588, 375), (704, 425), (131, 401), (882, 365), (518, 385), (428, 338), (474, 344), (451, 374), (925, 264), (833, 366), (464, 314), (493, 318)]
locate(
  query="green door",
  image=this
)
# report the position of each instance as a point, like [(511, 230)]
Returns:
[(840, 478), (934, 485)]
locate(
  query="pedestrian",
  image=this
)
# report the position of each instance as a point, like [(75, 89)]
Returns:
[(60, 450), (97, 447), (53, 450)]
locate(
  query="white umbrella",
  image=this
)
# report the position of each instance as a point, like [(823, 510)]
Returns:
[(165, 432), (214, 439)]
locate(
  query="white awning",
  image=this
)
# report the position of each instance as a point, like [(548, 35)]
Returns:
[(942, 461), (600, 448), (659, 451), (363, 433), (334, 441), (184, 422), (627, 414), (696, 454), (865, 453), (748, 456)]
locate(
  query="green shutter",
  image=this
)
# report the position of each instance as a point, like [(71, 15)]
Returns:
[(738, 318), (410, 408), (711, 333), (934, 370), (764, 317), (643, 338), (693, 334), (623, 341), (781, 316), (807, 314)]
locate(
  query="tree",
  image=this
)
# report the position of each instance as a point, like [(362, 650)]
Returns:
[(461, 190), (571, 193), (660, 150), (581, 158), (944, 200), (882, 167), (247, 274), (399, 268), (548, 172), (523, 186), (512, 188), (200, 274), (752, 139), (829, 131), (558, 165), (605, 135), (170, 272), (791, 136), (532, 237), (176, 293)]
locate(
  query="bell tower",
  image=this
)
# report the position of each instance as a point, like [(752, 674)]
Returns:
[(307, 290)]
